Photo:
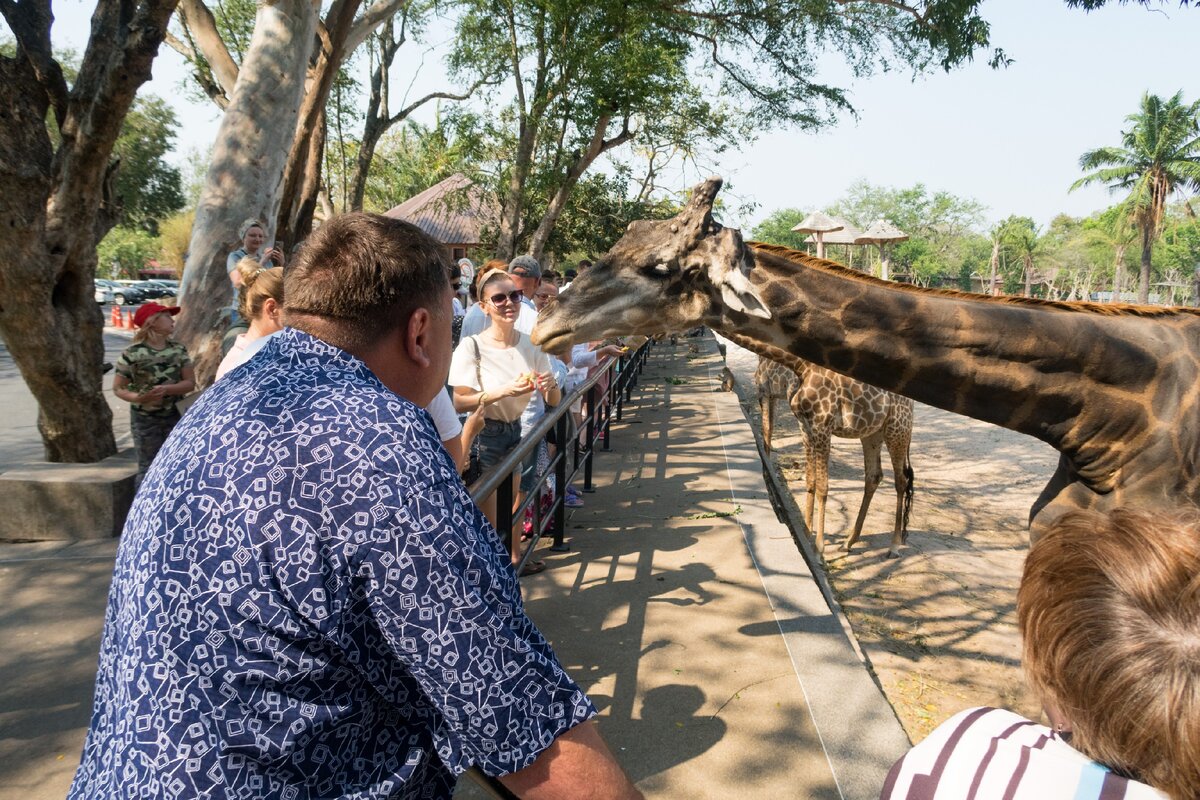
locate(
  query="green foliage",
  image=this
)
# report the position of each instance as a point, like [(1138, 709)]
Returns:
[(939, 224), (1178, 253), (124, 251), (777, 229), (149, 187), (195, 172), (413, 157), (597, 214), (1158, 156), (700, 77), (175, 236)]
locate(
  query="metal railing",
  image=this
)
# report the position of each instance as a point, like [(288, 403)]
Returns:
[(573, 453)]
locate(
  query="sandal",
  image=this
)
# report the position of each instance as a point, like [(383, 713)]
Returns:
[(533, 568)]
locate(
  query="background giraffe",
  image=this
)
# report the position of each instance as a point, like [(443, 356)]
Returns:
[(828, 405)]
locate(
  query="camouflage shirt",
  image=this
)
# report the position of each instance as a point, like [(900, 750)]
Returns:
[(144, 368)]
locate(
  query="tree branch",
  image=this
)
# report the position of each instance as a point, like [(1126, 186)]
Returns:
[(179, 46), (30, 22), (376, 14), (202, 27), (413, 106)]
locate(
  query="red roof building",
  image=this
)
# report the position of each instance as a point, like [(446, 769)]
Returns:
[(455, 212)]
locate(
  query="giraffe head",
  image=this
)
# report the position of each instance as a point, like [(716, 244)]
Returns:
[(661, 277)]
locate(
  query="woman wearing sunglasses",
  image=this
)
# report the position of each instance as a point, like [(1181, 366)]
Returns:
[(498, 370)]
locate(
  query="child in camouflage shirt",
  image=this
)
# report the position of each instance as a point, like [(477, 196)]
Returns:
[(151, 374)]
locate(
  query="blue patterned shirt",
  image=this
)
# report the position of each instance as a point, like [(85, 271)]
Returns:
[(307, 603)]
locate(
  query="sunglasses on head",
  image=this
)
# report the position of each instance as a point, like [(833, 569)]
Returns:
[(502, 298)]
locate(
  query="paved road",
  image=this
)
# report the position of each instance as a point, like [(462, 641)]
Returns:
[(19, 439)]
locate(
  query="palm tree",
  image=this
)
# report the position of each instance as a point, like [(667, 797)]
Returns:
[(1159, 154), (1020, 235)]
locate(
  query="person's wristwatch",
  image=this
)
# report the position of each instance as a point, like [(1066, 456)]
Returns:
[(483, 396)]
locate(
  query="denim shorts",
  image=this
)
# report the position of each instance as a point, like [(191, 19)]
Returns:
[(496, 440)]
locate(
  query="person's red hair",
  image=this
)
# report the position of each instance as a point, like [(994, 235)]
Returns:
[(1109, 611)]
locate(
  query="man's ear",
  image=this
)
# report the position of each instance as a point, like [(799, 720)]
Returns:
[(417, 337)]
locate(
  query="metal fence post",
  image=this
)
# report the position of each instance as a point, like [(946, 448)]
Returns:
[(589, 439), (561, 429)]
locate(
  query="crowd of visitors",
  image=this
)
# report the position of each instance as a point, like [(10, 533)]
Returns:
[(232, 664)]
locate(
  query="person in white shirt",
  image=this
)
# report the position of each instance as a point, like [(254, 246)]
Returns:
[(499, 370), (1109, 613), (260, 301)]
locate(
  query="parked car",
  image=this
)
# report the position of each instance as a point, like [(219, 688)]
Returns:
[(104, 291), (128, 293), (156, 290)]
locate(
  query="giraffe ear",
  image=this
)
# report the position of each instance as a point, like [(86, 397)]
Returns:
[(740, 295), (729, 265)]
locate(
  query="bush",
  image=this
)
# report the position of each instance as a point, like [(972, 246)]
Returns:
[(124, 251), (175, 236)]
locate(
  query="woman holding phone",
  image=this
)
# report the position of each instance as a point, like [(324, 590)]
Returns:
[(254, 236)]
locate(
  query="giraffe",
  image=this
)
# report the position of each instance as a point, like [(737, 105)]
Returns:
[(827, 405), (1114, 388)]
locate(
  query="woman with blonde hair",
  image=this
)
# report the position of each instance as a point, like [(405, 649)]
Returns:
[(152, 374), (497, 371), (260, 301), (1109, 612)]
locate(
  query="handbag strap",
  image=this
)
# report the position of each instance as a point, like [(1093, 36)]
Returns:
[(478, 359)]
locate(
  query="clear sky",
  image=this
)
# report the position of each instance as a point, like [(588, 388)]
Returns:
[(1009, 138)]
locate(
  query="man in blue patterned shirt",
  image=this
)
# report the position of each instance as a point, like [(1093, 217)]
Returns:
[(306, 602)]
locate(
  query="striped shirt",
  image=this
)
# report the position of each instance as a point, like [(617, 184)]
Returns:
[(992, 754)]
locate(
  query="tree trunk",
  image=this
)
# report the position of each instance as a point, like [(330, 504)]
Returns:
[(56, 206), (246, 173), (1028, 276), (1144, 276), (296, 224), (1118, 269), (596, 147), (514, 198), (991, 288), (303, 167)]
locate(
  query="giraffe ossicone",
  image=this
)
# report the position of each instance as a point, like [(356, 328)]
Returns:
[(1115, 389)]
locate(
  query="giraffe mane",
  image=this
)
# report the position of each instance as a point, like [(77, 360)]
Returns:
[(1106, 309)]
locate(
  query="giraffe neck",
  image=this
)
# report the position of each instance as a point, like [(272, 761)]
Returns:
[(1078, 380)]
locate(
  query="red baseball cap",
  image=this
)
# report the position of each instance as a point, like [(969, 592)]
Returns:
[(148, 310)]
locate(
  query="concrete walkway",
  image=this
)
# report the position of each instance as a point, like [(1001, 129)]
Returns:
[(683, 608)]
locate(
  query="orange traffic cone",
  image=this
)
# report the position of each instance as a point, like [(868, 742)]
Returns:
[(128, 320), (115, 318)]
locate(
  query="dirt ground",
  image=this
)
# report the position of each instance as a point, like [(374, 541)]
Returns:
[(938, 624)]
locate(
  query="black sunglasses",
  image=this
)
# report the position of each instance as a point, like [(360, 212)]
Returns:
[(502, 298)]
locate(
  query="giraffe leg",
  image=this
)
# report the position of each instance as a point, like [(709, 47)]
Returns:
[(818, 455), (766, 406), (810, 488), (872, 475), (898, 445)]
